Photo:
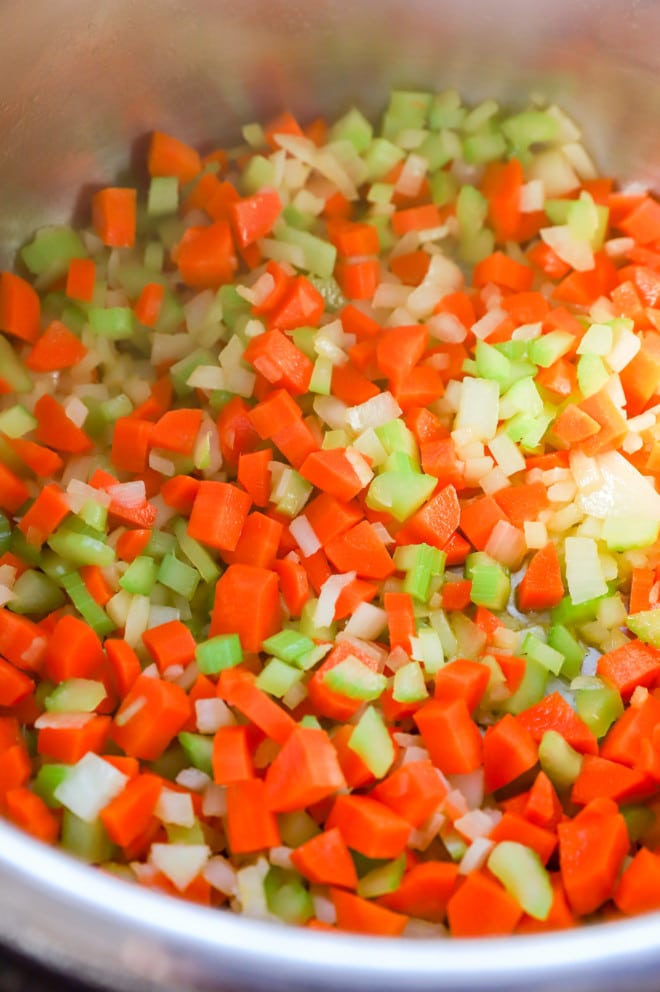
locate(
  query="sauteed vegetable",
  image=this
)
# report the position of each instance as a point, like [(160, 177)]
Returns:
[(329, 563)]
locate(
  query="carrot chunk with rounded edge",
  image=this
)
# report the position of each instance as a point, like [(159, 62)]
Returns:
[(177, 431), (542, 586), (251, 826), (253, 217), (592, 847), (21, 641), (435, 522), (129, 814), (247, 603), (638, 889), (539, 839), (625, 738), (554, 713), (451, 736), (326, 860), (294, 584), (481, 907), (301, 306), (509, 750), (543, 807), (238, 688), (360, 549), (334, 472), (218, 514), (478, 518), (20, 307), (70, 743), (414, 791), (600, 777), (13, 491), (206, 256), (29, 812), (424, 891), (114, 216), (170, 643), (232, 761), (279, 361), (57, 348), (462, 679), (56, 430), (168, 156), (304, 771), (630, 665), (150, 716), (42, 461), (14, 684), (73, 651), (124, 664), (369, 827), (45, 515), (359, 915)]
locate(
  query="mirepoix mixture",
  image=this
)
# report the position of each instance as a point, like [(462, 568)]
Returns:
[(329, 563)]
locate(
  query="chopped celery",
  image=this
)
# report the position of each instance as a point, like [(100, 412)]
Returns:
[(382, 879), (5, 534), (646, 626), (289, 645), (639, 821), (116, 323), (534, 647), (86, 840), (176, 575), (400, 493), (287, 897), (625, 533), (530, 690), (521, 872), (599, 705), (52, 249), (196, 554), (561, 639), (16, 421), (491, 585), (297, 828), (140, 576), (86, 605), (222, 651), (353, 127), (14, 372), (372, 742), (46, 781), (409, 685), (75, 696), (80, 549), (320, 255), (559, 760), (277, 677), (198, 749), (163, 196), (35, 593), (355, 679)]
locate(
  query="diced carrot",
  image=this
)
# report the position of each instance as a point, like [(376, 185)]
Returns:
[(247, 603), (600, 777), (169, 644), (114, 216), (435, 522), (360, 549), (177, 431), (69, 744), (251, 826), (277, 358), (554, 713), (237, 687), (20, 307), (57, 348), (451, 736), (29, 812), (509, 750), (481, 907), (232, 761), (592, 847), (218, 514), (630, 665), (304, 771), (56, 430), (400, 619), (359, 915), (515, 828), (326, 860), (462, 679), (369, 826), (638, 889), (129, 814), (151, 714), (170, 157), (414, 791), (478, 518)]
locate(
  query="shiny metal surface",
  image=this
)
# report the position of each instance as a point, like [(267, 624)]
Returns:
[(81, 83)]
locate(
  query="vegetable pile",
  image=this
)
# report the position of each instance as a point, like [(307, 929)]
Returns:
[(329, 563)]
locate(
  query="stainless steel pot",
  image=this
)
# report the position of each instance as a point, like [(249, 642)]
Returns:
[(80, 84)]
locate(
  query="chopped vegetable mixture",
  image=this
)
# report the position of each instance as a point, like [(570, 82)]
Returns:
[(329, 562)]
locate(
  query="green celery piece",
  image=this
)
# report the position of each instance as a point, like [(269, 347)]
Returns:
[(288, 645), (639, 820), (534, 647), (160, 544), (287, 897), (177, 834), (383, 879), (473, 248), (321, 379), (410, 108), (46, 782), (5, 534), (446, 110), (599, 707), (626, 533), (218, 653), (196, 554), (198, 750), (133, 276), (331, 292), (80, 549), (559, 760), (353, 127), (16, 421), (75, 696), (531, 690), (52, 249), (439, 148), (140, 576), (311, 722), (491, 585), (529, 127), (297, 828), (445, 185), (592, 374), (163, 196), (181, 371), (380, 157), (21, 547), (296, 493), (356, 680), (522, 874), (277, 677), (566, 612), (298, 219), (258, 172), (549, 348), (54, 566), (400, 493), (471, 211), (320, 256), (111, 410), (305, 338), (35, 593), (84, 602), (115, 323), (561, 639), (485, 146), (491, 363), (372, 742), (646, 626), (409, 685), (308, 627), (480, 115), (14, 372), (170, 315), (400, 462), (94, 515), (522, 397), (176, 575), (87, 841), (233, 305)]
